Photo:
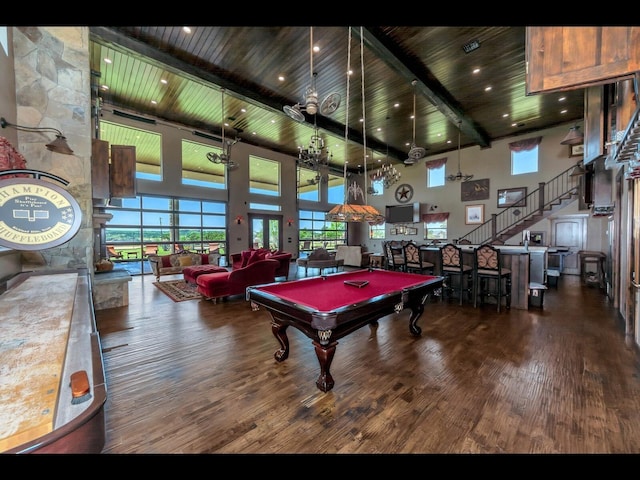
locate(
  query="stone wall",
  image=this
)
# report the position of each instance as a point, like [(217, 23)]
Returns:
[(53, 89)]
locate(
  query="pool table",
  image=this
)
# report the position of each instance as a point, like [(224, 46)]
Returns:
[(327, 308)]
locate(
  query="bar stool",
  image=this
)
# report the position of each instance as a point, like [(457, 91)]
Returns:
[(455, 272), (488, 272), (413, 261)]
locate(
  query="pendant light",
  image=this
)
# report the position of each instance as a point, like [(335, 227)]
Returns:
[(349, 212)]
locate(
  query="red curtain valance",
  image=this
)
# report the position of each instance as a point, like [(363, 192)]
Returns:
[(435, 217), (437, 163), (523, 145)]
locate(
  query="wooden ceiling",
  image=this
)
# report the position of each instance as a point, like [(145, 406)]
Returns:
[(399, 63)]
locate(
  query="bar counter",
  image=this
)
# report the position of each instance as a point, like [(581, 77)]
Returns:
[(526, 264)]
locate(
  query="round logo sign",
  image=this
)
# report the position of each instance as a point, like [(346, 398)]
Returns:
[(36, 214)]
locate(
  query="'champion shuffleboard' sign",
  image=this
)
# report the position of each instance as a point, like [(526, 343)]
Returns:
[(36, 214)]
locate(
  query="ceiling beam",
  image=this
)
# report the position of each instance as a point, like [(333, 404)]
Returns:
[(273, 102), (426, 83)]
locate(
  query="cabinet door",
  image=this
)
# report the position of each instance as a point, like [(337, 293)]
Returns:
[(567, 58), (100, 168), (123, 171)]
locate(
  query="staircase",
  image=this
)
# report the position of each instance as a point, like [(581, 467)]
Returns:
[(547, 199)]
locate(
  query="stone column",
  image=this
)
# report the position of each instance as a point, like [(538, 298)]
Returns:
[(53, 89)]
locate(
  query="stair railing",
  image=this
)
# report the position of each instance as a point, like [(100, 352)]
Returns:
[(548, 194)]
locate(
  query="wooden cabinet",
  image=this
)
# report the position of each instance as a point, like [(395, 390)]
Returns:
[(123, 171), (567, 58)]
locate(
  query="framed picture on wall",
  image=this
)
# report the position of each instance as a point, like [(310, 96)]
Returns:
[(576, 150), (393, 231), (474, 214), (474, 190), (412, 231), (512, 197)]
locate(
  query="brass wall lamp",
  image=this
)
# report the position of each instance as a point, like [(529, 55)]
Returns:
[(59, 145)]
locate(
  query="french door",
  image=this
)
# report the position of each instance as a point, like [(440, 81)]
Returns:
[(265, 231)]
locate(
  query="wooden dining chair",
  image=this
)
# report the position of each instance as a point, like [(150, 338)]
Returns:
[(491, 279), (413, 260), (458, 277), (394, 257)]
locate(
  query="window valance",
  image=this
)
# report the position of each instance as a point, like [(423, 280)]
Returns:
[(435, 217), (523, 145), (437, 163)]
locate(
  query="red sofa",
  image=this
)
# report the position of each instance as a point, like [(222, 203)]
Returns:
[(224, 284), (239, 260)]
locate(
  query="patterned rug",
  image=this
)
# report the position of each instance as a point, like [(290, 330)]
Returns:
[(178, 290)]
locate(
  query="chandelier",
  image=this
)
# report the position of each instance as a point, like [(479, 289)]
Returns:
[(224, 158), (315, 154), (388, 174), (459, 176), (349, 212)]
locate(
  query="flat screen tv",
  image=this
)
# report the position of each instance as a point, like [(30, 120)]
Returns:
[(409, 213)]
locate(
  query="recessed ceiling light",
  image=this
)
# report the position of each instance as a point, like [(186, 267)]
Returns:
[(107, 60), (281, 78), (486, 89), (564, 111), (104, 87), (396, 105), (476, 70), (186, 29), (505, 115), (162, 80), (562, 99), (153, 102), (316, 48)]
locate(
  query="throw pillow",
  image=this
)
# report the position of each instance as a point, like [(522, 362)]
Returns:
[(185, 261), (166, 261), (255, 256), (245, 257)]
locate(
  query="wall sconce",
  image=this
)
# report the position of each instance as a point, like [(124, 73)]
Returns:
[(239, 219), (59, 145), (290, 222)]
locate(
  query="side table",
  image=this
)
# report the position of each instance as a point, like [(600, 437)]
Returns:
[(376, 260)]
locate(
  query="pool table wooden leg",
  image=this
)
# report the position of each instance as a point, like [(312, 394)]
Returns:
[(416, 313), (325, 355), (280, 332)]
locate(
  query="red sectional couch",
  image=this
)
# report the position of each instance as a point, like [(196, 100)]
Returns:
[(223, 284), (239, 260)]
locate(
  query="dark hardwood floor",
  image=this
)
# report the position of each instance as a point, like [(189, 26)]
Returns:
[(198, 377)]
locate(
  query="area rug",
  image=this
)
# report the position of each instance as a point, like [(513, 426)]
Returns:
[(178, 290)]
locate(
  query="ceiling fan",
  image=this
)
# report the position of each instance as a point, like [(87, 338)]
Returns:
[(415, 152), (224, 158), (327, 107)]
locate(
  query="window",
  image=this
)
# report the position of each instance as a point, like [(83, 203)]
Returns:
[(148, 147), (198, 170), (264, 176), (317, 232), (377, 231), (309, 182), (435, 176), (166, 223), (435, 230), (336, 189), (524, 155), (436, 172)]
